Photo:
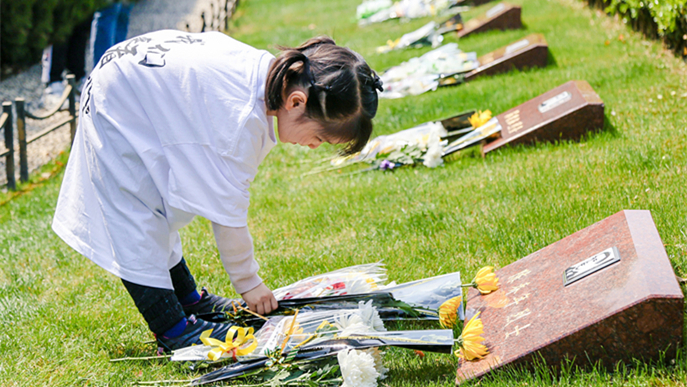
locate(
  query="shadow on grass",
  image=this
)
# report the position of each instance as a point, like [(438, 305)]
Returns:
[(551, 60)]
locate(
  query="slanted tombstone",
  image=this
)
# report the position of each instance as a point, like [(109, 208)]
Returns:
[(564, 113), (472, 2), (502, 16), (528, 52), (605, 294)]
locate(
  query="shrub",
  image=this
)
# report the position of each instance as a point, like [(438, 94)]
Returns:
[(28, 26), (665, 19)]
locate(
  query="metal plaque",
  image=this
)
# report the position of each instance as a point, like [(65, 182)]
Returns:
[(495, 10), (517, 46), (555, 101), (591, 265)]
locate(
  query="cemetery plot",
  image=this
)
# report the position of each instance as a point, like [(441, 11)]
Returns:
[(605, 294), (530, 51), (449, 66), (502, 16), (472, 2), (564, 113)]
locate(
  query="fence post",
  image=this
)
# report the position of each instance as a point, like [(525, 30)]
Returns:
[(72, 107), (21, 136), (9, 144)]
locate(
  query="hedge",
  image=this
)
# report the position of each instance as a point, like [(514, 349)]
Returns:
[(28, 26), (665, 19)]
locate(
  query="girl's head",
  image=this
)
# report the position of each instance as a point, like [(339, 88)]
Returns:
[(322, 93)]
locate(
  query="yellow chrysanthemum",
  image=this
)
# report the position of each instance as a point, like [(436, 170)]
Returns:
[(486, 281), (448, 312), (480, 118), (471, 346)]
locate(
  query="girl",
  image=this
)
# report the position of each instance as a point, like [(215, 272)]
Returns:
[(174, 125)]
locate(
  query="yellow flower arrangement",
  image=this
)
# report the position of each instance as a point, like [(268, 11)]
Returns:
[(480, 118), (448, 312), (486, 281), (470, 341)]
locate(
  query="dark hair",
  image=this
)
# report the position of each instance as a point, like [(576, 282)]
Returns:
[(341, 86)]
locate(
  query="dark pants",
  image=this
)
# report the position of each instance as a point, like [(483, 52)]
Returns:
[(160, 307)]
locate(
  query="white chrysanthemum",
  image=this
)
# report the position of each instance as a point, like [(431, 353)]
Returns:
[(377, 355), (345, 320), (370, 316), (432, 157), (357, 368), (350, 324), (361, 286)]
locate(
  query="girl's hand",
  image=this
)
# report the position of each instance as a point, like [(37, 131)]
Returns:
[(260, 299)]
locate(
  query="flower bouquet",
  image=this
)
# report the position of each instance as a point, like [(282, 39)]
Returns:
[(482, 131), (421, 74), (312, 339), (427, 143), (349, 280), (376, 11), (328, 347), (431, 34)]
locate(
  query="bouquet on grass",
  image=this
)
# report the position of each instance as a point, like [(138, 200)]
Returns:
[(337, 347), (431, 34), (376, 11), (425, 144), (421, 74), (305, 345), (357, 279), (346, 288)]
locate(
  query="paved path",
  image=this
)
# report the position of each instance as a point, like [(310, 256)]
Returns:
[(146, 16)]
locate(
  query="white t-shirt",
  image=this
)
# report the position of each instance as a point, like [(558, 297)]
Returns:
[(172, 125)]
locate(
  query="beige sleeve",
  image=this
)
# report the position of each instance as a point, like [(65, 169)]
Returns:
[(235, 247)]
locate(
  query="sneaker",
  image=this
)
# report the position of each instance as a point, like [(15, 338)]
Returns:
[(191, 335), (210, 303)]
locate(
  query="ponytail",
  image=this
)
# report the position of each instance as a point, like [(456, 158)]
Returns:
[(282, 75), (342, 89)]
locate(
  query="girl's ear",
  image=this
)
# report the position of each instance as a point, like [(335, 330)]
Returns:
[(296, 100)]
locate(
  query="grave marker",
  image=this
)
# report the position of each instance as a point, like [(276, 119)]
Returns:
[(604, 294), (502, 16), (564, 113), (530, 51)]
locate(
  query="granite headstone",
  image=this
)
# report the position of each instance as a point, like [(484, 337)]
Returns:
[(502, 16), (564, 113), (605, 294)]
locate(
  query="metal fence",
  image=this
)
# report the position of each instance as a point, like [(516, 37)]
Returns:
[(6, 123), (220, 14)]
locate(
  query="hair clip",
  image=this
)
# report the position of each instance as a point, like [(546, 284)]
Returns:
[(377, 82), (316, 86)]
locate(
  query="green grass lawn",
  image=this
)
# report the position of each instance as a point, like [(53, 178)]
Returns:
[(64, 318)]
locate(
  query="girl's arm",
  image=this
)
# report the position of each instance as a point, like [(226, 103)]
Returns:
[(235, 247)]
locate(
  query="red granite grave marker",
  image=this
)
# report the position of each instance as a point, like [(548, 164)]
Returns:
[(530, 51), (472, 2), (502, 16), (564, 113), (605, 294)]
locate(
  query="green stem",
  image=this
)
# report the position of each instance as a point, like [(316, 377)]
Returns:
[(141, 358), (168, 382)]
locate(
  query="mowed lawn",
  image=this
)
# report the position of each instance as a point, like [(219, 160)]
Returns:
[(64, 318)]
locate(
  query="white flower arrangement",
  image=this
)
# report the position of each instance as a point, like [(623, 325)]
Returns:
[(358, 368)]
